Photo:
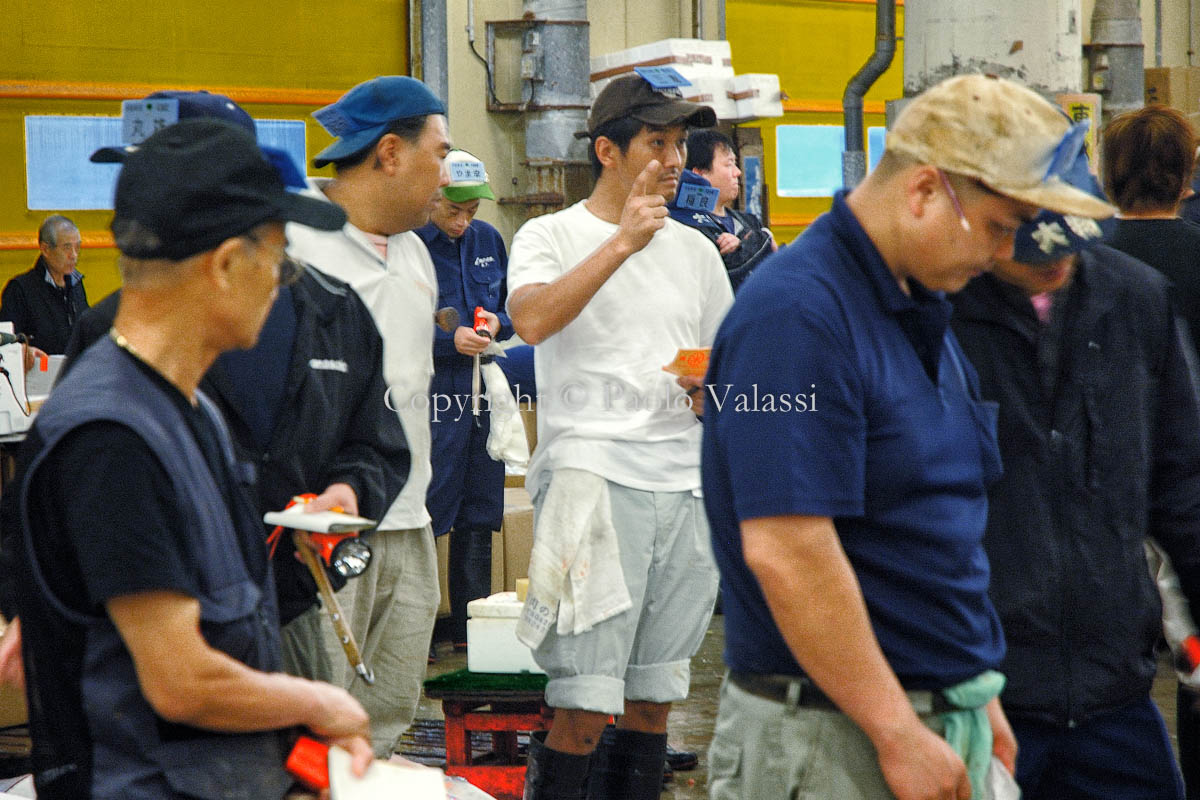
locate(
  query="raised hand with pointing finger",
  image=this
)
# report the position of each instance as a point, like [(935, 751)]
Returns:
[(645, 210)]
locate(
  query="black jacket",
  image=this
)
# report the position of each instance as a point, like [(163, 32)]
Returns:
[(44, 312), (1100, 435), (332, 426)]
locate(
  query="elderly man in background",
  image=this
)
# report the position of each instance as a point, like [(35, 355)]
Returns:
[(45, 302)]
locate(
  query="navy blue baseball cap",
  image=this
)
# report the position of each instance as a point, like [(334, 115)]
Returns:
[(207, 105), (364, 113), (1050, 236)]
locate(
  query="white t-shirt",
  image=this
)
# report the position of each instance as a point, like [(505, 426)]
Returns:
[(402, 296), (604, 402)]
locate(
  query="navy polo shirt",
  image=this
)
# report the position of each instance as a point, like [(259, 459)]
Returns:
[(833, 393)]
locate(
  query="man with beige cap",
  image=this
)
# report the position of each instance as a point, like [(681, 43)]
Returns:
[(846, 473)]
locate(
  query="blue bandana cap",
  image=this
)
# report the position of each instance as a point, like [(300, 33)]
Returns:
[(364, 113), (1051, 236)]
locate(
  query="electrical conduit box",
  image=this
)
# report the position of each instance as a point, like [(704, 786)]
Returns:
[(15, 415)]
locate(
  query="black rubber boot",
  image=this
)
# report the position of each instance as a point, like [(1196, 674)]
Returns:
[(554, 775), (469, 576), (627, 765)]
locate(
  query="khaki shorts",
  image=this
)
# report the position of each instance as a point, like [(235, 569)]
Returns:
[(644, 653)]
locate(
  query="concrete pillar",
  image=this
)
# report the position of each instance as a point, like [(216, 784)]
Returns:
[(1036, 42)]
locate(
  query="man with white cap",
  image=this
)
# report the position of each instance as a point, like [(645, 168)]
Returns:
[(392, 139), (847, 455), (466, 493)]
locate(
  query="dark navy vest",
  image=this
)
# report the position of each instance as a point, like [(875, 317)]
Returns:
[(131, 758)]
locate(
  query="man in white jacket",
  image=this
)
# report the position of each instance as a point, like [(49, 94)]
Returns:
[(392, 138)]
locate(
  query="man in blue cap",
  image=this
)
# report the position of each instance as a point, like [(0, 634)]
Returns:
[(466, 493), (1081, 346), (391, 140)]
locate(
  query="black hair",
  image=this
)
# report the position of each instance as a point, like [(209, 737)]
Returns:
[(702, 146), (409, 129), (619, 131)]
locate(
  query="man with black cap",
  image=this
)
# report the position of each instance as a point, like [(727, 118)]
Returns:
[(466, 493), (151, 637), (608, 291), (388, 156), (306, 404)]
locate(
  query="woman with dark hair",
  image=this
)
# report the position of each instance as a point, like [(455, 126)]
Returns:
[(1148, 159)]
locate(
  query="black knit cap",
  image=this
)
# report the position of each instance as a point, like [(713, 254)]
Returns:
[(196, 183)]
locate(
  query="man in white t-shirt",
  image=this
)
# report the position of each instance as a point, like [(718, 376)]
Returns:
[(392, 138), (609, 290)]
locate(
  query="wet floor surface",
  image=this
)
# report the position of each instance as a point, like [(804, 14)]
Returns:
[(691, 723)]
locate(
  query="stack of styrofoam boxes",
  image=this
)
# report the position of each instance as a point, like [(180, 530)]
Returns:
[(756, 95), (707, 64)]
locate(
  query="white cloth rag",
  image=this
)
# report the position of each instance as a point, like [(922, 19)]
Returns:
[(506, 440), (575, 574)]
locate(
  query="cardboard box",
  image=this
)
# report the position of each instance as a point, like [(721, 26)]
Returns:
[(511, 546), (1178, 87)]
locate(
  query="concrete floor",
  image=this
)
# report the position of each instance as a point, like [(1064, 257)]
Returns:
[(691, 723)]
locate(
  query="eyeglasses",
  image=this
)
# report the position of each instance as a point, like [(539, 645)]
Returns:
[(962, 218), (288, 269), (996, 230)]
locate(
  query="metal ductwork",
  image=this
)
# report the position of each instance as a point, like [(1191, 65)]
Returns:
[(1115, 56), (854, 159)]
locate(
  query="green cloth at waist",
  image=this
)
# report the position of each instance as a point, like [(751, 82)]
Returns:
[(969, 731)]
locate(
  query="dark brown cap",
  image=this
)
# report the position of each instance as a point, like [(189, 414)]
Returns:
[(632, 96)]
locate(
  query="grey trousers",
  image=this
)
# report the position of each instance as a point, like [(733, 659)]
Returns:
[(762, 749), (391, 609)]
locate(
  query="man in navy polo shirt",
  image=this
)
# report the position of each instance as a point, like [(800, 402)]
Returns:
[(846, 461)]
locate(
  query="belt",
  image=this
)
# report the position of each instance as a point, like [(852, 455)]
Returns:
[(799, 691), (459, 360)]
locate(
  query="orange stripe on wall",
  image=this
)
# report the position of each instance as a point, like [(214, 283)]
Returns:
[(829, 106), (78, 90), (792, 220), (28, 241)]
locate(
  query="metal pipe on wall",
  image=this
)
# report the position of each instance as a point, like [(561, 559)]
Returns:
[(1116, 66), (854, 159)]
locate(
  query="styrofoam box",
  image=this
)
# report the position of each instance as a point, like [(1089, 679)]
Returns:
[(688, 71), (15, 416), (757, 95), (492, 644), (701, 57), (712, 92)]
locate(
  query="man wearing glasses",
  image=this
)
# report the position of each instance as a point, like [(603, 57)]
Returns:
[(152, 650), (848, 527)]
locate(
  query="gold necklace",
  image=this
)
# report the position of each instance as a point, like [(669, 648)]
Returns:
[(124, 344)]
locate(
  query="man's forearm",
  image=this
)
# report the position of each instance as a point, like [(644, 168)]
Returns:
[(542, 310), (825, 623)]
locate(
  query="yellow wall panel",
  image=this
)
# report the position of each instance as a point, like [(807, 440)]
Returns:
[(302, 44), (815, 46)]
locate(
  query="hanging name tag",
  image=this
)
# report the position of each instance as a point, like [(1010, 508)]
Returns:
[(141, 118), (698, 198), (662, 77), (467, 171)]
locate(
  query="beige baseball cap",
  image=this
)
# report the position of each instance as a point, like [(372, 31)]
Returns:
[(1003, 134)]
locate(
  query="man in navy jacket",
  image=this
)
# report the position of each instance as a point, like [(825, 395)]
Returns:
[(466, 494)]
